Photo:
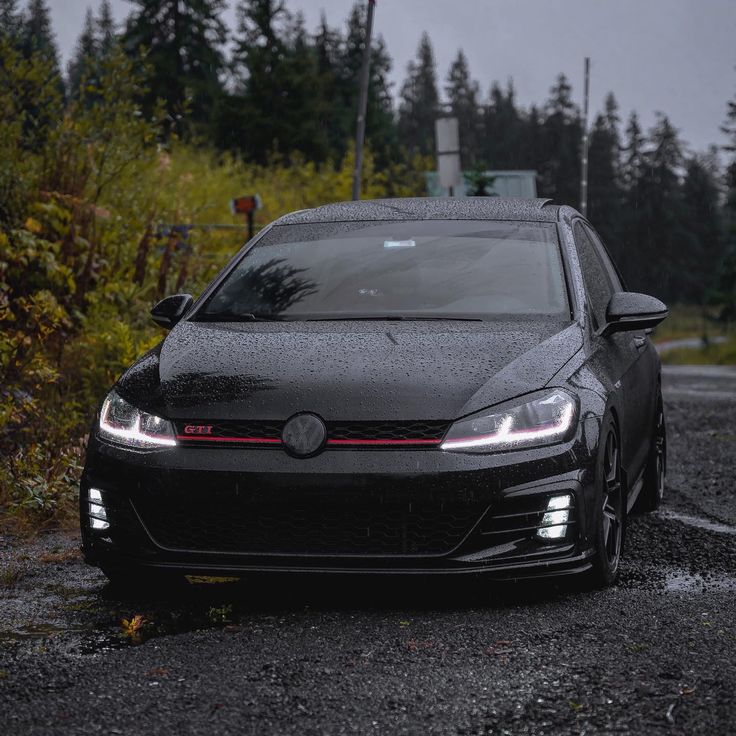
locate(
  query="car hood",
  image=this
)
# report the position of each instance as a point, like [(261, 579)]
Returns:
[(346, 370)]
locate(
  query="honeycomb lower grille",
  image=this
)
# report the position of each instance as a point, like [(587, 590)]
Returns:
[(386, 430), (337, 528)]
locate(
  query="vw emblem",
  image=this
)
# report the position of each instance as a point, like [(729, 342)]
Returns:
[(304, 435)]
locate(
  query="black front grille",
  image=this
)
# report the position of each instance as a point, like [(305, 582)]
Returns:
[(228, 523), (387, 430), (266, 433)]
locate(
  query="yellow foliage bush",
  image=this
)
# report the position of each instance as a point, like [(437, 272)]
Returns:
[(87, 246)]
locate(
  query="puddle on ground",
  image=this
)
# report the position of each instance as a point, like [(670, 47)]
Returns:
[(681, 581), (698, 522), (39, 631), (82, 640)]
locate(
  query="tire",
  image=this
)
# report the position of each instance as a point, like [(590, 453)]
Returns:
[(650, 496), (610, 509)]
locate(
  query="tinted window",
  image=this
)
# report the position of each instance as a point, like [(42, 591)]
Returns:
[(609, 264), (597, 281), (372, 269)]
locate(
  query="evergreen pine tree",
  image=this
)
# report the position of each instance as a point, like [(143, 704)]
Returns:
[(633, 164), (462, 94), (562, 140), (37, 36), (105, 29), (724, 294), (255, 119), (279, 79), (85, 55), (308, 107), (699, 261), (10, 20), (628, 253), (531, 140), (419, 106), (328, 46), (183, 40), (503, 129), (730, 180), (605, 193), (662, 239)]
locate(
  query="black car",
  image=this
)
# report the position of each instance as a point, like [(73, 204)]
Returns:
[(395, 386)]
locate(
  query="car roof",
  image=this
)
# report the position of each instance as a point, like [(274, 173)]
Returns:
[(428, 208)]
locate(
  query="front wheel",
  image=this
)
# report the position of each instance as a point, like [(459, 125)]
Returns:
[(609, 510)]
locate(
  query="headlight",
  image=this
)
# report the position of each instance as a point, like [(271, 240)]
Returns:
[(122, 423), (542, 419)]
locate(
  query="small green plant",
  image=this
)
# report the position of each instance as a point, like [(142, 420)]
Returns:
[(220, 614)]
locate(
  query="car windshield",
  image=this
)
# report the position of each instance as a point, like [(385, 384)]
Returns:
[(428, 269)]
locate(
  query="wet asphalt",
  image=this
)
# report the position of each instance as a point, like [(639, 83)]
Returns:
[(656, 654)]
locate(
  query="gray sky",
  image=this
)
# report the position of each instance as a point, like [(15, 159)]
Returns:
[(674, 56)]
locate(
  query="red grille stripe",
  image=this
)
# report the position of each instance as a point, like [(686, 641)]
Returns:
[(383, 442), (252, 440), (273, 441)]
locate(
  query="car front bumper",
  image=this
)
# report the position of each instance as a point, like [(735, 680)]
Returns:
[(225, 511)]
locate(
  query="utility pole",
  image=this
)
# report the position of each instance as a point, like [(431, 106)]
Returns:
[(584, 156), (363, 100), (447, 139)]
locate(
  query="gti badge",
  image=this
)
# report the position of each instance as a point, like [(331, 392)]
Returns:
[(198, 429)]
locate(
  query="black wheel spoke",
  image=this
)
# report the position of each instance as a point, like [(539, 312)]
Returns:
[(612, 506)]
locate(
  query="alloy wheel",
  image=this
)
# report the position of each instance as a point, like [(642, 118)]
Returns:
[(612, 506)]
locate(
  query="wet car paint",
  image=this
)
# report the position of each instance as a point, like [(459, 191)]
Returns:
[(371, 371)]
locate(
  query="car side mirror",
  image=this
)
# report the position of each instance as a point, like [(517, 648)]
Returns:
[(629, 311), (171, 309)]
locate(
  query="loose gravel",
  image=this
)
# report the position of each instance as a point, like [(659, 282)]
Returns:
[(654, 655)]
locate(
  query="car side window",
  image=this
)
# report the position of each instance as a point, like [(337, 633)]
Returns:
[(597, 280), (616, 280)]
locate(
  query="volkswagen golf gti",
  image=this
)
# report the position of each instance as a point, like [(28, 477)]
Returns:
[(394, 387)]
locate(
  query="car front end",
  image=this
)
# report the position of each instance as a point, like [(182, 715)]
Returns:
[(228, 497)]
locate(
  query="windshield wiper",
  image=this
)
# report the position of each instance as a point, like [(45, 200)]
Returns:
[(245, 317), (394, 318)]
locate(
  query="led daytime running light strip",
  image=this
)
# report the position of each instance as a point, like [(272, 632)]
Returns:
[(506, 436), (132, 434)]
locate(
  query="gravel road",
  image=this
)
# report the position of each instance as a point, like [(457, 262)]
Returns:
[(657, 654)]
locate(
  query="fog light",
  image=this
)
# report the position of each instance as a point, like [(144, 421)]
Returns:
[(97, 510), (554, 521)]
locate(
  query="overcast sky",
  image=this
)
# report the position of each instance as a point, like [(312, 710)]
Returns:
[(674, 56)]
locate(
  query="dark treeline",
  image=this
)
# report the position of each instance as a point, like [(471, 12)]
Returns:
[(271, 86)]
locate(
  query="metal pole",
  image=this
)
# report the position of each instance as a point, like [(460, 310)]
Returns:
[(363, 100), (584, 156)]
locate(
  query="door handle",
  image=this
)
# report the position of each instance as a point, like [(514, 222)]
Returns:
[(640, 341)]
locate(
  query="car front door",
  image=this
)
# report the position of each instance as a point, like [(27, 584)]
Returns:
[(629, 356)]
